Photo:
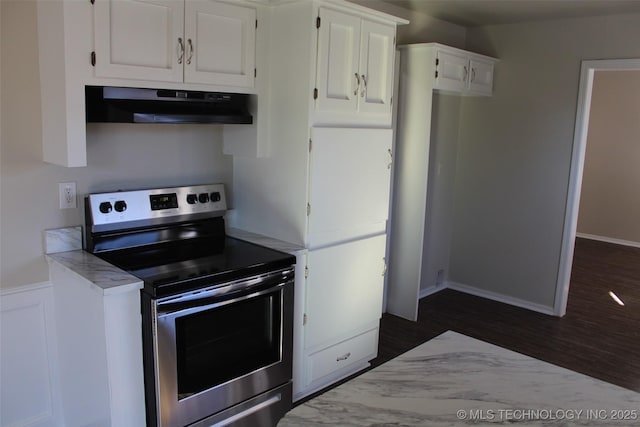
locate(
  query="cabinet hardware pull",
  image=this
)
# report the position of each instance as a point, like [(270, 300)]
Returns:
[(364, 89), (473, 74), (343, 357), (464, 77), (180, 50), (390, 158), (189, 51), (355, 92), (384, 266)]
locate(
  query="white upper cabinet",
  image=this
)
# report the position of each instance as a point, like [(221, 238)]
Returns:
[(462, 72), (192, 41), (220, 43), (338, 80), (139, 39), (354, 69), (481, 77), (376, 67)]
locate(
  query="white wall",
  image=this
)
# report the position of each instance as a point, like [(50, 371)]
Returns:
[(610, 196), (120, 156), (514, 151), (421, 28), (445, 120)]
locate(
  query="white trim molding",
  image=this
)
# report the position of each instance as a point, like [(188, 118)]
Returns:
[(501, 298), (431, 290), (609, 240), (587, 72)]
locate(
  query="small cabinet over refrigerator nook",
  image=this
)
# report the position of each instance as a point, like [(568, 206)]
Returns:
[(461, 72)]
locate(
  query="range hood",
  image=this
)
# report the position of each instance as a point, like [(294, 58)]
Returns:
[(135, 105)]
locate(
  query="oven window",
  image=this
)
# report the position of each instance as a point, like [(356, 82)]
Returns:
[(218, 345)]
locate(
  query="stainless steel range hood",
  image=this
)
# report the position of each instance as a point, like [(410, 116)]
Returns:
[(134, 105)]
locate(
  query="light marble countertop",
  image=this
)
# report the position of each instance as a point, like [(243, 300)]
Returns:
[(99, 274), (455, 380), (269, 242), (64, 249)]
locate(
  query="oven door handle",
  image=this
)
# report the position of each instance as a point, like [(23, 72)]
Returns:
[(178, 309)]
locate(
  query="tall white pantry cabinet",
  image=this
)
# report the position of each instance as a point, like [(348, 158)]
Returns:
[(324, 181)]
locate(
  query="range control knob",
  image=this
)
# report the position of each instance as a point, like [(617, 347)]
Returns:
[(215, 196), (203, 197), (192, 198), (120, 206), (105, 207)]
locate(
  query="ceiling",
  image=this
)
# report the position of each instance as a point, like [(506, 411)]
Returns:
[(472, 13)]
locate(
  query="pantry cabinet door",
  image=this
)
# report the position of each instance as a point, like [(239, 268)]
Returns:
[(344, 290), (376, 67), (481, 78), (220, 40), (139, 39), (452, 71), (350, 173), (338, 80)]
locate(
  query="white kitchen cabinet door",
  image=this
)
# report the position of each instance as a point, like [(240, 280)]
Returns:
[(452, 71), (344, 290), (481, 78), (350, 173), (220, 43), (376, 67), (338, 78), (139, 39)]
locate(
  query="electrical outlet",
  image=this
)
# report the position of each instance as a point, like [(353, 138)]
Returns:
[(67, 194)]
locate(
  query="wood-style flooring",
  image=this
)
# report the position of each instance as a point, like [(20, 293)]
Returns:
[(596, 337)]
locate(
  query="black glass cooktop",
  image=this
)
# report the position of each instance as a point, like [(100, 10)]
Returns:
[(175, 267)]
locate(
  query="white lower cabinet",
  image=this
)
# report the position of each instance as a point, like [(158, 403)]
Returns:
[(351, 353), (343, 305)]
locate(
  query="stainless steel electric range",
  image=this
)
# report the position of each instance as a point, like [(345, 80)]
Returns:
[(217, 311)]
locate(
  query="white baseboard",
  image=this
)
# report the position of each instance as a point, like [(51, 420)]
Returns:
[(501, 298), (431, 290), (609, 240)]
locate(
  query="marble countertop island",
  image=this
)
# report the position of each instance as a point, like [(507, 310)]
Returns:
[(455, 380)]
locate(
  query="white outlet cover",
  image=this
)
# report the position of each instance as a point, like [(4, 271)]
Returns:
[(67, 195)]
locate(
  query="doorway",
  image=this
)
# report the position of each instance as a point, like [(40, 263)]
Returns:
[(587, 73)]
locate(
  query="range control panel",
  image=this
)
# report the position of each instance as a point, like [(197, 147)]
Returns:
[(136, 208)]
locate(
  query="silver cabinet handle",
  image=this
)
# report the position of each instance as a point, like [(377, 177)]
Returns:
[(473, 74), (466, 72), (355, 92), (343, 357), (384, 266), (180, 50), (189, 51), (364, 88), (390, 158)]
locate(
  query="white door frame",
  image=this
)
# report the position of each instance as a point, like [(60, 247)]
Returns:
[(587, 73)]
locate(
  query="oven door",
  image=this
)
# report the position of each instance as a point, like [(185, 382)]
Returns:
[(220, 346)]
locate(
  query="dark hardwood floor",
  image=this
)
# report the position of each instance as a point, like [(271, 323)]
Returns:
[(596, 337)]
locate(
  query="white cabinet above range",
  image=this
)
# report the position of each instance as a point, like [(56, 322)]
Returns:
[(207, 42), (201, 45)]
